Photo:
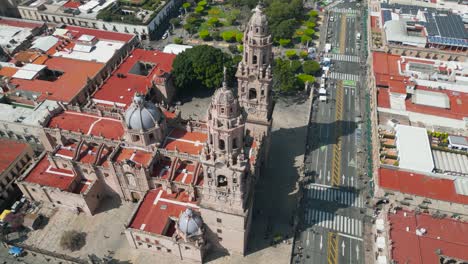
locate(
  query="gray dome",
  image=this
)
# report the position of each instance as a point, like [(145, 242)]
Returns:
[(259, 19), (142, 115), (189, 222), (224, 96)]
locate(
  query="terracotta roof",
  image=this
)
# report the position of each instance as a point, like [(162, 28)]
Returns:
[(447, 235), (383, 99), (8, 71), (45, 175), (19, 23), (88, 124), (68, 85), (122, 90), (72, 4), (9, 152), (420, 185), (140, 157), (156, 208), (26, 56), (100, 34), (184, 141)]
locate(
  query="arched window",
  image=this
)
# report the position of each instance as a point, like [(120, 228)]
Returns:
[(222, 181), (246, 56), (254, 59), (222, 145), (135, 138), (256, 30), (252, 93), (234, 143)]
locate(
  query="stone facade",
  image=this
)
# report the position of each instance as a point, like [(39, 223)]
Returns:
[(196, 177)]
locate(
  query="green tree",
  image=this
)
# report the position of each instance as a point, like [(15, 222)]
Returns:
[(239, 37), (202, 3), (72, 240), (310, 24), (213, 22), (215, 35), (284, 42), (310, 67), (304, 78), (201, 66), (313, 13), (305, 39), (186, 6), (199, 9), (284, 29), (175, 22), (291, 54), (296, 66), (309, 32), (204, 34), (178, 41), (284, 77), (228, 36), (303, 54), (240, 48)]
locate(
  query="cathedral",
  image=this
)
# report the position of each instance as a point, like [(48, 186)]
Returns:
[(193, 180)]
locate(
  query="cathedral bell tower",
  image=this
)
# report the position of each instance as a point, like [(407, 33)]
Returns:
[(225, 205), (254, 75)]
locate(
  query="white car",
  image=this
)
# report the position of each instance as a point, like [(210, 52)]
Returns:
[(165, 35)]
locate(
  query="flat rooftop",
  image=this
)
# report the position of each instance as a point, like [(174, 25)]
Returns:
[(158, 206), (9, 152), (88, 124), (421, 185), (45, 175), (135, 74), (446, 235), (185, 142), (137, 156), (27, 116), (414, 150), (61, 80)]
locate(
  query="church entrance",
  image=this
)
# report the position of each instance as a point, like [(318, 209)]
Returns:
[(135, 197)]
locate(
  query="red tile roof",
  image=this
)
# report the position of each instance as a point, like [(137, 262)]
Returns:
[(68, 85), (88, 124), (8, 71), (383, 98), (447, 235), (140, 157), (156, 208), (184, 141), (9, 152), (122, 90), (72, 4), (45, 175), (100, 34), (19, 23), (420, 185)]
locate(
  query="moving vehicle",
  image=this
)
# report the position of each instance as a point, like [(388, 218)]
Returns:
[(322, 95), (327, 47), (358, 36), (166, 34), (332, 19)]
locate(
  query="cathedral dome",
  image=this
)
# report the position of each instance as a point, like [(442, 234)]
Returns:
[(224, 96), (142, 115), (259, 19), (189, 222)]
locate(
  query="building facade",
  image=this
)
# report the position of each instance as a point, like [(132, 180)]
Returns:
[(193, 180), (14, 158)]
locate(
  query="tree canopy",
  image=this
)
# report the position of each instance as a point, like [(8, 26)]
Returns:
[(201, 66), (284, 76), (310, 67)]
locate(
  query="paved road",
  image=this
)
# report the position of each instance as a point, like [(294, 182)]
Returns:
[(333, 205)]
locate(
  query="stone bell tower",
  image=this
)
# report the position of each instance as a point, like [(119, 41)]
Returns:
[(254, 75), (226, 187)]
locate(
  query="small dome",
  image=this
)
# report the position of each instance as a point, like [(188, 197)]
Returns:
[(142, 115), (224, 96), (259, 19), (189, 222)]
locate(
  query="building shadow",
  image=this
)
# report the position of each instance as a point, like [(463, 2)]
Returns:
[(278, 191), (188, 95), (108, 203)]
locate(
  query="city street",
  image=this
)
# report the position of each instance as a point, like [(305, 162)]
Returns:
[(333, 204)]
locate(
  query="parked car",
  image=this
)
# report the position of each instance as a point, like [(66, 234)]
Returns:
[(165, 35)]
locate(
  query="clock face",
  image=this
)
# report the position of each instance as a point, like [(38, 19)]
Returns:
[(251, 110)]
